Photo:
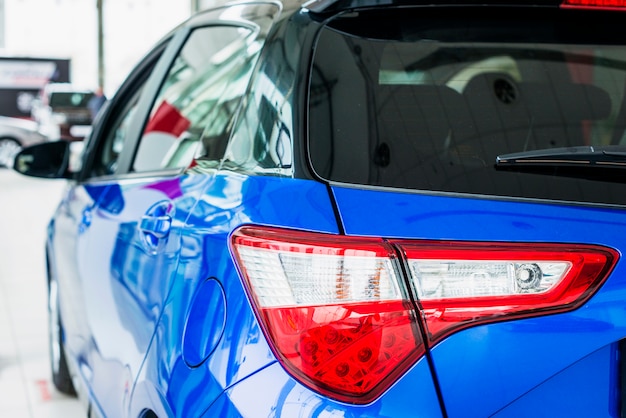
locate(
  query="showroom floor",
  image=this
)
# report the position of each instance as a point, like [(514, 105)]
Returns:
[(25, 387)]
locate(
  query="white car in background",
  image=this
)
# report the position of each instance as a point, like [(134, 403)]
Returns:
[(15, 134)]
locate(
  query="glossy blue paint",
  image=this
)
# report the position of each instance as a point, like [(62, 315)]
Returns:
[(415, 215), (587, 388), (503, 362), (66, 242), (205, 322), (272, 393)]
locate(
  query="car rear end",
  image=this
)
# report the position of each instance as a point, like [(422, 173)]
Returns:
[(482, 287)]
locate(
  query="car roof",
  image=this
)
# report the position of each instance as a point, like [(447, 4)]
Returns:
[(322, 9), (334, 6)]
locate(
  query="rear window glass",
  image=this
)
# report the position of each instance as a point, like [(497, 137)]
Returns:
[(427, 99)]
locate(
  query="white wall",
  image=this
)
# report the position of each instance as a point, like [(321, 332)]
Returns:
[(68, 29)]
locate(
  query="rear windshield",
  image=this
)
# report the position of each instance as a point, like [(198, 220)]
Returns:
[(427, 99)]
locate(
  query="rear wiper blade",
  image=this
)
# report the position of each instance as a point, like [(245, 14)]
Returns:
[(590, 162)]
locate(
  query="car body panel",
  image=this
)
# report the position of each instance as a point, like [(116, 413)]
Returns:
[(129, 274), (595, 389), (416, 215), (253, 397), (534, 372), (64, 233)]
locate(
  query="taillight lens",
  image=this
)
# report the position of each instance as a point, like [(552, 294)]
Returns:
[(337, 310), (332, 308), (463, 284)]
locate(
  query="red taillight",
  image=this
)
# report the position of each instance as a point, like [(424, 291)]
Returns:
[(337, 310), (595, 4), (333, 308)]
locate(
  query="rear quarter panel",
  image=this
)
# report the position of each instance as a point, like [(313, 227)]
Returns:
[(483, 369)]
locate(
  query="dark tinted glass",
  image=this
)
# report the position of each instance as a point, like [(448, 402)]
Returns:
[(70, 99), (426, 99)]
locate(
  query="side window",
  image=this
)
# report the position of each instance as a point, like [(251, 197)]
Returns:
[(116, 131), (106, 160), (192, 115)]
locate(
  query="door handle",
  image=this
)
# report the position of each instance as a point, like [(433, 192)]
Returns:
[(155, 225)]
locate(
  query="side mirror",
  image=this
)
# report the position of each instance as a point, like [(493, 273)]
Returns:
[(46, 160)]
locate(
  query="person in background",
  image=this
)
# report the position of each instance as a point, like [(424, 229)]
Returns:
[(96, 102)]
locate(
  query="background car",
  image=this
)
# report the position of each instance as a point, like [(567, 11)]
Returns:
[(15, 134), (61, 111), (343, 209)]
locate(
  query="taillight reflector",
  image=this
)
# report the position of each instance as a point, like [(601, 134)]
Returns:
[(341, 319)]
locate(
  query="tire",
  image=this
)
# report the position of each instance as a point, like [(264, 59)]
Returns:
[(9, 147), (61, 377)]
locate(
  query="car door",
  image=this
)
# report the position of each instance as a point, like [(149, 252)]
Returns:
[(135, 227), (85, 245), (191, 122)]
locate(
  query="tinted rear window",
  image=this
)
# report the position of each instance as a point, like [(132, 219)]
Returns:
[(426, 99)]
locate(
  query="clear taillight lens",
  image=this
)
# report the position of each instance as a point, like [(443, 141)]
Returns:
[(337, 310), (295, 276), (437, 279), (332, 309)]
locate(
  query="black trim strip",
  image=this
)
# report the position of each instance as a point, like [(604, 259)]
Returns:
[(333, 202)]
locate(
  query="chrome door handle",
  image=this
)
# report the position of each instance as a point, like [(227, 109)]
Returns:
[(155, 226)]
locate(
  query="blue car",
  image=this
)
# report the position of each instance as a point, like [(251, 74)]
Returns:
[(351, 209)]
